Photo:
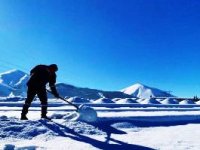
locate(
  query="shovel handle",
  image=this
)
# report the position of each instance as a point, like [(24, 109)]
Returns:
[(69, 102), (65, 100)]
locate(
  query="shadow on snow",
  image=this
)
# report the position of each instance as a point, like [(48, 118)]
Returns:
[(64, 131), (154, 121)]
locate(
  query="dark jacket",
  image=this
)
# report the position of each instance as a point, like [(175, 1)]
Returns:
[(40, 76)]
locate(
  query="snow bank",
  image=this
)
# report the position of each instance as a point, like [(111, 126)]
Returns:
[(126, 101), (169, 101), (78, 100), (140, 100), (150, 101), (103, 100), (185, 102), (84, 113), (14, 128), (115, 99)]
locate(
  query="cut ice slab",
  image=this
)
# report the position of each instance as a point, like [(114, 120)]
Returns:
[(84, 113)]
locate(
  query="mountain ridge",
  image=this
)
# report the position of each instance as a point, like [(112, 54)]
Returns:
[(13, 82)]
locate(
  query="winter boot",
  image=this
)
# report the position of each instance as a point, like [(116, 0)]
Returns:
[(44, 113), (23, 117), (24, 112)]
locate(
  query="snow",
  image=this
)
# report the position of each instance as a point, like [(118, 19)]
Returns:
[(103, 100), (126, 101), (5, 90), (12, 77), (187, 102), (78, 100), (169, 101), (117, 124), (113, 128), (150, 101), (87, 114), (143, 91)]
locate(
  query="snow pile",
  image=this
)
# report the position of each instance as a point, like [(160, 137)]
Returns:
[(103, 100), (150, 101), (198, 102), (159, 100), (13, 147), (84, 113), (169, 101), (14, 128), (87, 114), (187, 101), (116, 99), (78, 100), (143, 91), (126, 101), (140, 100), (14, 99)]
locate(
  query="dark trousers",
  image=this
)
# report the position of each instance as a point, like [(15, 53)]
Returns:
[(31, 93)]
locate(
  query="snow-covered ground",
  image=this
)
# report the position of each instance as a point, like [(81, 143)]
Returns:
[(117, 127)]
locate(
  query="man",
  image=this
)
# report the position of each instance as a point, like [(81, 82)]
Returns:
[(40, 76)]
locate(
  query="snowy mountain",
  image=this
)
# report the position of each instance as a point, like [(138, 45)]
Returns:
[(13, 78), (5, 90), (13, 82), (143, 91), (87, 93)]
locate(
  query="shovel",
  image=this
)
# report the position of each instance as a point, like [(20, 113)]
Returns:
[(84, 113), (77, 108)]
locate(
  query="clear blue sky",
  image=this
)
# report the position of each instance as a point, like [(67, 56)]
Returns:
[(106, 44)]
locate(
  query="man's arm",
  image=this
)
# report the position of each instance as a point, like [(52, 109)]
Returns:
[(52, 83)]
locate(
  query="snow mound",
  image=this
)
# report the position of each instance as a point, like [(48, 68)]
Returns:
[(103, 100), (169, 101), (140, 100), (78, 100), (84, 113), (150, 101), (116, 99), (185, 102), (126, 101), (14, 99), (87, 114), (27, 129), (13, 147), (14, 128), (198, 102)]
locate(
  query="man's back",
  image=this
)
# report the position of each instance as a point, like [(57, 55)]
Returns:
[(39, 76)]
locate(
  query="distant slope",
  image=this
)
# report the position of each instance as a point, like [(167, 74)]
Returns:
[(70, 90), (143, 91), (14, 82), (13, 78)]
